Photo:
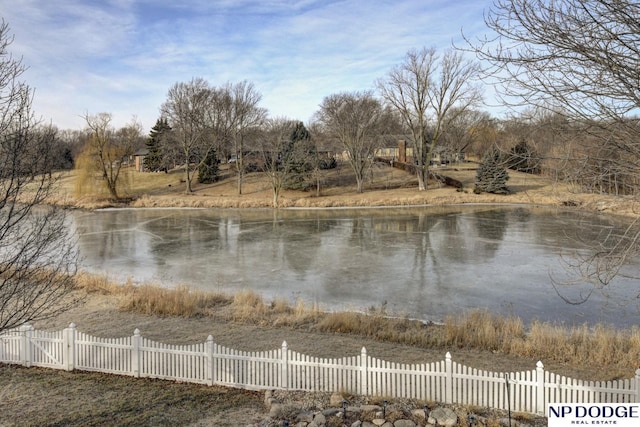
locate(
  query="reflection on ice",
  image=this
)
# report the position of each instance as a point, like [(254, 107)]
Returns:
[(423, 262)]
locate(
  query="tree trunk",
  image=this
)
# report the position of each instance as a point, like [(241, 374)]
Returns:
[(239, 181), (422, 177), (112, 190), (188, 189)]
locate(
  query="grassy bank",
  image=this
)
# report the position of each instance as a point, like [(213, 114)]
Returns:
[(587, 345), (384, 186)]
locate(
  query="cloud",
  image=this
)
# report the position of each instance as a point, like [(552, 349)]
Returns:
[(121, 56)]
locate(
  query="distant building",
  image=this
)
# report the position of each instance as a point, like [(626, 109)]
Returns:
[(139, 159)]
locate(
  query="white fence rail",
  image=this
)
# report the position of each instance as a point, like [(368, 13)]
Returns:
[(208, 363)]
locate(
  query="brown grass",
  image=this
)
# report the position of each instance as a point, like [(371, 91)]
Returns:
[(47, 397), (598, 345), (384, 186), (180, 301)]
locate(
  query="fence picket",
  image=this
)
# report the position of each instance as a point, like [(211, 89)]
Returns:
[(209, 363)]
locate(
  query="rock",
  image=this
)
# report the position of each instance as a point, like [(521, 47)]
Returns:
[(336, 400), (331, 412), (418, 413), (268, 397), (320, 419), (275, 410), (305, 416), (404, 423), (443, 417), (505, 422)]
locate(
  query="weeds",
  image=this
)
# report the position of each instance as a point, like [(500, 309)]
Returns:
[(599, 345)]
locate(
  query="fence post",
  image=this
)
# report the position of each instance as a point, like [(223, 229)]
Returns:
[(540, 407), (448, 382), (364, 386), (69, 348), (135, 353), (637, 386), (210, 363), (26, 333), (284, 368)]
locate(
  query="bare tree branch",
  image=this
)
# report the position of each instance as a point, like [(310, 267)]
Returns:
[(37, 252), (429, 92), (357, 120)]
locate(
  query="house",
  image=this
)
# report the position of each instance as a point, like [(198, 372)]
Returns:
[(139, 159), (403, 153)]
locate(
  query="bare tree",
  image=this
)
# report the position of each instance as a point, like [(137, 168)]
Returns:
[(466, 132), (108, 149), (429, 92), (324, 148), (245, 120), (357, 120), (581, 59), (274, 141), (583, 56), (187, 108), (37, 252)]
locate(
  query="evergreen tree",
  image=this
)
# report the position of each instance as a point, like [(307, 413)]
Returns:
[(524, 158), (298, 158), (492, 174), (154, 161), (209, 168)]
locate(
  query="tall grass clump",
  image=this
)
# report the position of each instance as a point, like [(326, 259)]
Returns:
[(101, 284), (248, 306), (481, 329), (600, 345), (180, 301), (377, 326)]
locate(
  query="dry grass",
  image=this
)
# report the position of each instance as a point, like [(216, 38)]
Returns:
[(180, 301), (46, 397), (599, 345), (385, 186), (101, 284), (482, 329)]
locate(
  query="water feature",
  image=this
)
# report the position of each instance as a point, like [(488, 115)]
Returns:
[(424, 262)]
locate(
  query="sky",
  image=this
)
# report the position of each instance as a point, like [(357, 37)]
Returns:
[(122, 56)]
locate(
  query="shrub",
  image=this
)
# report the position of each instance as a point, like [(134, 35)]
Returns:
[(492, 174)]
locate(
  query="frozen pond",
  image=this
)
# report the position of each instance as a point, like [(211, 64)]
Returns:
[(422, 262)]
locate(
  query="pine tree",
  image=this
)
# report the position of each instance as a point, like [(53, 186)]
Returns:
[(298, 158), (492, 174), (154, 161), (524, 158), (209, 168)]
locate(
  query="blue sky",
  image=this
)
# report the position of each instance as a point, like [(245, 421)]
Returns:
[(122, 56)]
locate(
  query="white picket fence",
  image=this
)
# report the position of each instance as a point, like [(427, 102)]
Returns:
[(209, 363)]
